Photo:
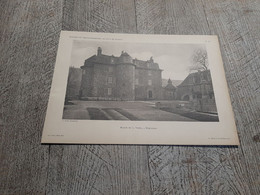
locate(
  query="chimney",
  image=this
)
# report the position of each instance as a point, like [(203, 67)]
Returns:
[(99, 51)]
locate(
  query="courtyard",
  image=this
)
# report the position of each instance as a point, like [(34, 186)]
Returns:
[(124, 110)]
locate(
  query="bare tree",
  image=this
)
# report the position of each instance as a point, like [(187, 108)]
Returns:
[(199, 60), (73, 83)]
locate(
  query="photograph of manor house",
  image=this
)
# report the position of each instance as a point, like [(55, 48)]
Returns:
[(120, 78), (123, 87)]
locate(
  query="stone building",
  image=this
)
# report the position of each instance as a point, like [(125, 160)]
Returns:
[(197, 88), (169, 92), (120, 78)]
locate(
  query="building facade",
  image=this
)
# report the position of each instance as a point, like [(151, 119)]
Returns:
[(169, 91), (197, 88), (120, 78)]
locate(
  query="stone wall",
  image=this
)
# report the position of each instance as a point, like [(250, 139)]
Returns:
[(101, 84), (205, 105), (125, 82), (148, 80), (87, 82)]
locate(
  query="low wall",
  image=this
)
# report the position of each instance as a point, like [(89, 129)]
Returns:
[(173, 104), (202, 105), (205, 105)]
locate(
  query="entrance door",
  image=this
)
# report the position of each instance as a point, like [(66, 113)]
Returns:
[(150, 94)]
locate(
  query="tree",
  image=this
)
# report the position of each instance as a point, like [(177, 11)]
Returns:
[(199, 60), (73, 83)]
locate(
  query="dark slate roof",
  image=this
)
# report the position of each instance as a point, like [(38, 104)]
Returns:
[(125, 54), (170, 86), (196, 76), (145, 64), (101, 59), (105, 59)]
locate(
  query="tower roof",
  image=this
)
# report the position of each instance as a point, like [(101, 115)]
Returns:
[(170, 86), (106, 59), (125, 54)]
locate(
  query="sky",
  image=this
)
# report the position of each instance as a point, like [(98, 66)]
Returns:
[(173, 59)]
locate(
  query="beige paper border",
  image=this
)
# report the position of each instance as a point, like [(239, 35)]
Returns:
[(58, 130)]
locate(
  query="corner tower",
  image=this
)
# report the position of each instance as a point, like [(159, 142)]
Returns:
[(125, 72)]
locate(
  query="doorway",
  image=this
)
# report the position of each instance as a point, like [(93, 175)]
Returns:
[(150, 94)]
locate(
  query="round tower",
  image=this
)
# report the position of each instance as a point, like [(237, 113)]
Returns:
[(125, 58), (125, 77)]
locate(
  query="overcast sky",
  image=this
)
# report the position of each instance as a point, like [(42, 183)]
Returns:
[(174, 59)]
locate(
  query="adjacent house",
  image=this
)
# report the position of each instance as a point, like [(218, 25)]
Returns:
[(197, 88), (169, 91)]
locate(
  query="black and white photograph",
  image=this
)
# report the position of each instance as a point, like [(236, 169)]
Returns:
[(139, 89), (139, 82)]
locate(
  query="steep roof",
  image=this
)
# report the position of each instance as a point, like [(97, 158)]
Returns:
[(106, 59), (101, 59), (145, 64), (196, 78), (170, 86)]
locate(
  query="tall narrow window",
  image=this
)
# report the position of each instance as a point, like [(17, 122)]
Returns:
[(110, 80), (149, 73), (136, 81), (149, 82), (109, 91)]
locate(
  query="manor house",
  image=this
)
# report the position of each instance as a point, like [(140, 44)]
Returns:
[(120, 78)]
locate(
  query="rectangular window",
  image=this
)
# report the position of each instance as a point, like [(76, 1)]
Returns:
[(109, 91), (110, 80), (149, 73), (136, 81), (149, 82), (110, 69)]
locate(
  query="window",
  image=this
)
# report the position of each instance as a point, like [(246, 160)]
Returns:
[(109, 91), (149, 82), (211, 95), (199, 96), (136, 81), (149, 73), (110, 69), (202, 77), (110, 80)]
